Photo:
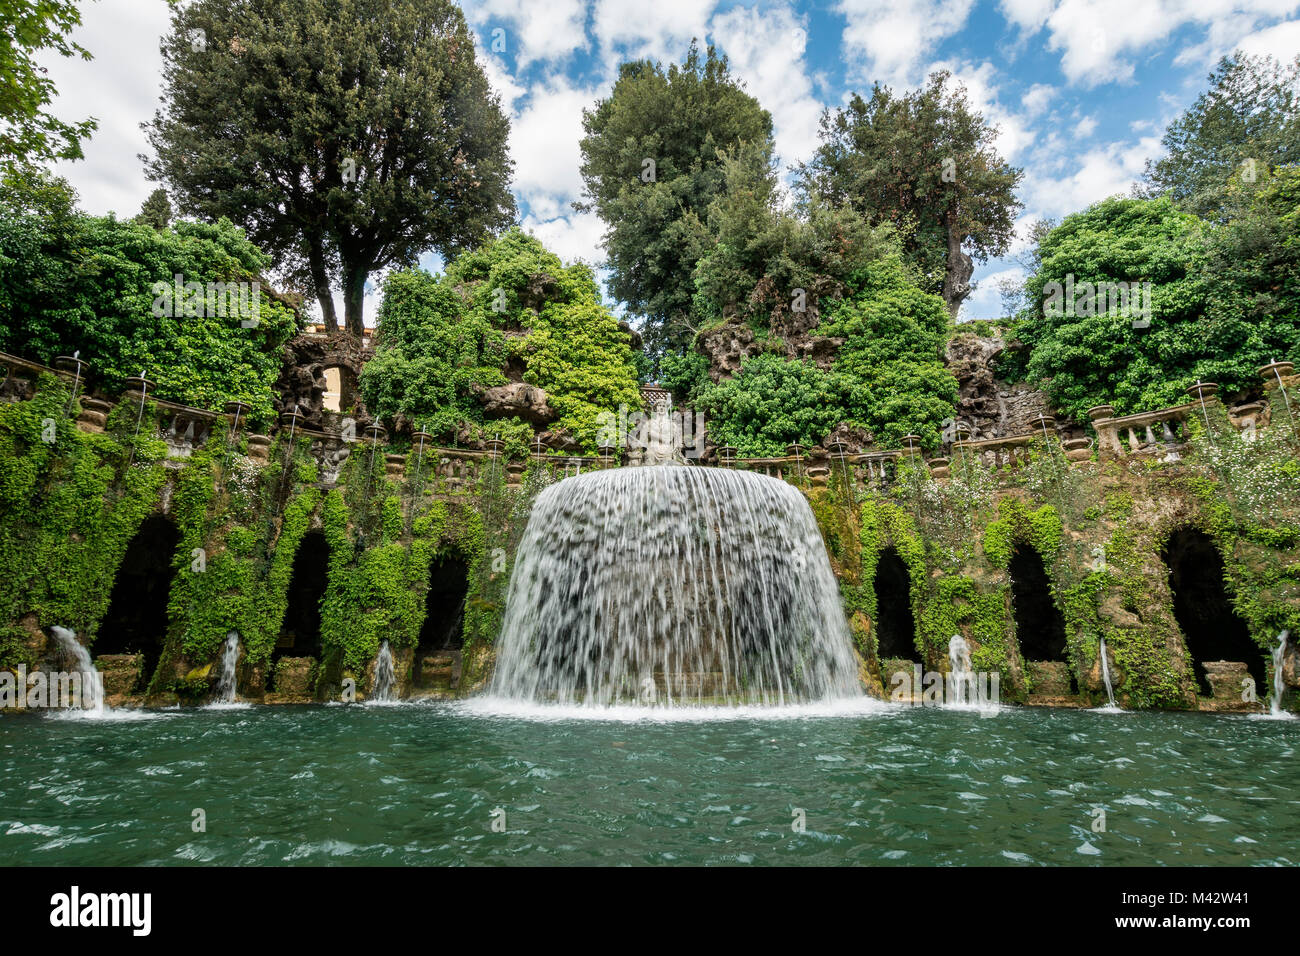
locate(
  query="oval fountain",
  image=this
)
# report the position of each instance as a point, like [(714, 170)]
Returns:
[(674, 586)]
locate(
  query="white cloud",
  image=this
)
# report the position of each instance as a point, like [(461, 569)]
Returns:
[(1036, 98), (502, 81), (544, 139), (888, 40), (657, 29), (550, 31), (985, 300), (571, 237), (1281, 41), (766, 50), (120, 88), (1102, 171), (1098, 39)]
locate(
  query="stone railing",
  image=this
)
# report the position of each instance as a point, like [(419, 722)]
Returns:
[(1162, 433)]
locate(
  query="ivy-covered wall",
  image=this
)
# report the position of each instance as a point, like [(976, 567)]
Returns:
[(1100, 529), (71, 501)]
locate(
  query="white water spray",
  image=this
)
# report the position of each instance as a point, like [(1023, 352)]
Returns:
[(385, 679), (92, 682), (229, 658), (1279, 652), (705, 585), (960, 678), (1105, 676)]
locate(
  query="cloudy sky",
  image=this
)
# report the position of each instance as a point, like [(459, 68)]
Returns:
[(1080, 90)]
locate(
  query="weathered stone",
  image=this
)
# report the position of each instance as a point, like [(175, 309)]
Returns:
[(517, 400)]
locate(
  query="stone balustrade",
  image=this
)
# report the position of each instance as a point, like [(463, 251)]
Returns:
[(1005, 453), (1162, 433)]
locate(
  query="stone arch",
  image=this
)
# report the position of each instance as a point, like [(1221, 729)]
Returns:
[(136, 620), (894, 623), (437, 651), (1212, 629), (300, 629), (1039, 623)]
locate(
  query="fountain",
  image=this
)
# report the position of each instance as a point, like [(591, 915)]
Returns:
[(1105, 676), (960, 677), (385, 679), (229, 658), (672, 585), (1275, 703), (92, 682)]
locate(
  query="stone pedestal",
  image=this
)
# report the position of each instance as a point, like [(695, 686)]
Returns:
[(259, 447), (94, 414)]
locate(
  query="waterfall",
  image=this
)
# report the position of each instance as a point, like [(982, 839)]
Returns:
[(229, 658), (1275, 704), (673, 585), (92, 682), (960, 678), (384, 681), (1105, 676)]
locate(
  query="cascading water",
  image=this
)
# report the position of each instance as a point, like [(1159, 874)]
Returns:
[(92, 682), (673, 585), (1105, 676), (385, 678), (229, 658), (1279, 652), (960, 678)]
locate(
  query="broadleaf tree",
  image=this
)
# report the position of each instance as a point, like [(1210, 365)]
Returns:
[(346, 136), (926, 163)]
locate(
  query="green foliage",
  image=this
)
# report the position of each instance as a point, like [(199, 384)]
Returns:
[(29, 28), (887, 375), (346, 136), (769, 264), (679, 118), (923, 162), (1247, 122), (1222, 302), (510, 303), (773, 403), (68, 509), (76, 283)]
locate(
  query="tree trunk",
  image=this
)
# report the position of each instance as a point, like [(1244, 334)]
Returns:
[(324, 294), (956, 280), (354, 294)]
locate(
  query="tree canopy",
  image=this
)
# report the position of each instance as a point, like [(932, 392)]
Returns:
[(509, 308), (887, 377), (925, 163), (70, 282), (345, 136), (651, 167), (1244, 125), (28, 131)]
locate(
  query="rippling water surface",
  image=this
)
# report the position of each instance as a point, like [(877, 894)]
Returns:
[(419, 784)]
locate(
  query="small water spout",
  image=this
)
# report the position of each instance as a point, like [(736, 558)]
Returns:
[(385, 679), (229, 658), (1105, 676), (92, 682), (959, 677), (1275, 703)]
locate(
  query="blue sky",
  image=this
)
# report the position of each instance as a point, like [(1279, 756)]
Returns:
[(1080, 90)]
